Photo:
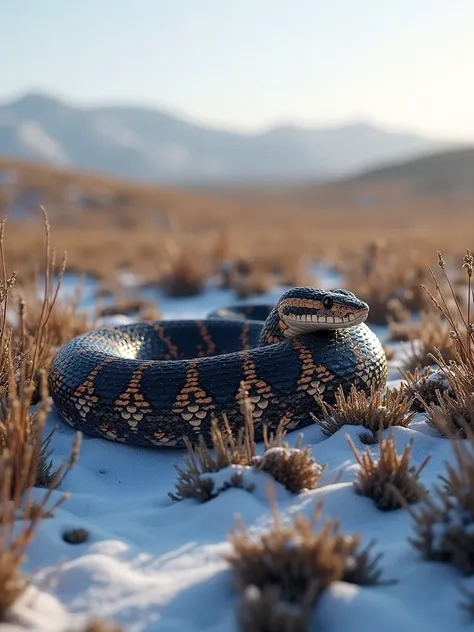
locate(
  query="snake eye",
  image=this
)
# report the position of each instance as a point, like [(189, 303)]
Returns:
[(327, 302)]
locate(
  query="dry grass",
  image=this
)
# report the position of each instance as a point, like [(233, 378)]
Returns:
[(17, 505), (387, 281), (23, 453), (133, 223), (257, 282), (44, 324), (289, 566), (423, 385), (458, 316), (185, 277), (294, 468), (444, 523), (20, 467), (430, 335), (377, 478), (453, 408), (373, 411), (63, 321), (264, 611), (144, 310)]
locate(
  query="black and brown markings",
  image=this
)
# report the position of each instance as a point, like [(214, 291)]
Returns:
[(313, 377), (260, 392), (244, 336), (173, 353), (361, 364), (192, 403), (271, 339), (210, 348), (131, 404), (286, 420), (84, 397), (55, 380)]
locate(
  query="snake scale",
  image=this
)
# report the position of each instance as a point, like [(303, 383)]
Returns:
[(151, 383)]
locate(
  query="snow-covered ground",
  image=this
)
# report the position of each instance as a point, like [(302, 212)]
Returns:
[(152, 564)]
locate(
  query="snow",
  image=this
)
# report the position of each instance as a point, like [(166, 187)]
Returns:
[(36, 139), (154, 564)]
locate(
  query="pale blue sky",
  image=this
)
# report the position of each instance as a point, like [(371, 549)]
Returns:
[(248, 64)]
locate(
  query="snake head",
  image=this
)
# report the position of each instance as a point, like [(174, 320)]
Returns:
[(303, 310)]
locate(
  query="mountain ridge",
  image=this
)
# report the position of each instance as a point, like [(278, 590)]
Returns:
[(149, 144)]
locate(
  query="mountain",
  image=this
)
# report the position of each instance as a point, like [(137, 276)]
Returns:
[(442, 173), (150, 145)]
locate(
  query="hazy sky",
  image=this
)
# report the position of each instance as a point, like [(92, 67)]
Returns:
[(248, 64)]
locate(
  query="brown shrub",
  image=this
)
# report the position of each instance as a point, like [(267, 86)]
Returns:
[(294, 564), (432, 334), (444, 522), (23, 453), (145, 310), (387, 279), (265, 611), (292, 467), (423, 385), (185, 277), (373, 411), (377, 478), (454, 409)]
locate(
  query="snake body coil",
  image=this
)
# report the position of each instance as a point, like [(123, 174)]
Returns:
[(152, 383)]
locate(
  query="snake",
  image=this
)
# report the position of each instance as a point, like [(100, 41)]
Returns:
[(162, 383)]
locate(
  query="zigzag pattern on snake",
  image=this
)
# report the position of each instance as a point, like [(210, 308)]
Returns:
[(151, 383)]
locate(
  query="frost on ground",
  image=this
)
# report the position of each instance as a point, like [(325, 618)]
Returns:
[(149, 563)]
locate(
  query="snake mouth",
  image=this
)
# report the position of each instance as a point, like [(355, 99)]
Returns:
[(306, 323), (325, 320), (333, 310)]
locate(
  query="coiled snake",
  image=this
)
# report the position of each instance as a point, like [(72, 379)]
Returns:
[(151, 383)]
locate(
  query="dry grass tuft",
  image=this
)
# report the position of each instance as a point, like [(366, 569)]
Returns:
[(430, 335), (386, 280), (20, 462), (423, 386), (45, 324), (66, 320), (17, 476), (289, 566), (143, 309), (459, 317), (256, 283), (292, 467), (24, 455), (454, 408), (444, 523), (185, 271), (184, 278), (377, 478), (265, 611), (374, 411)]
